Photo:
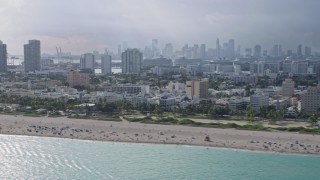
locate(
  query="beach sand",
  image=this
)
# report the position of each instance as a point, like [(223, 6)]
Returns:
[(282, 142)]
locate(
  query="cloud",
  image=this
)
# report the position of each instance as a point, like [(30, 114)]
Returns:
[(84, 25)]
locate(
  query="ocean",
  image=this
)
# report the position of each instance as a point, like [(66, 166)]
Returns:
[(114, 70), (24, 157)]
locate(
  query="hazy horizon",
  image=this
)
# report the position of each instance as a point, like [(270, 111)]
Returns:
[(80, 26)]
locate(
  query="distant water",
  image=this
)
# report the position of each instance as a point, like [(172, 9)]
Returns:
[(23, 157), (56, 61), (113, 70)]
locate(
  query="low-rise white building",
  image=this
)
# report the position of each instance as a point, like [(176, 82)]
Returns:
[(259, 100), (238, 103), (167, 103)]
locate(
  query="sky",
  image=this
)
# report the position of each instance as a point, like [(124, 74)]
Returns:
[(81, 26)]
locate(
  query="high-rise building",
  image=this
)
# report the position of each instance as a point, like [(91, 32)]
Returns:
[(275, 51), (96, 54), (248, 52), (32, 55), (75, 78), (187, 51), (307, 51), (202, 51), (131, 61), (224, 50), (197, 88), (265, 53), (261, 67), (310, 100), (218, 49), (257, 68), (124, 46), (295, 67), (272, 67), (195, 51), (238, 54), (299, 50), (257, 51), (168, 50), (3, 57), (119, 51), (155, 47), (280, 50), (210, 53), (288, 87), (106, 64), (231, 50), (87, 62), (147, 53)]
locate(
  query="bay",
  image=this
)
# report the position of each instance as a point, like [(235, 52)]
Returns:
[(26, 157)]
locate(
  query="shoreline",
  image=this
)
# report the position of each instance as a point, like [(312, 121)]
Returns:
[(179, 145), (130, 132)]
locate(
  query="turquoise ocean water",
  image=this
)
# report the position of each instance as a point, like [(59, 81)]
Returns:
[(23, 157)]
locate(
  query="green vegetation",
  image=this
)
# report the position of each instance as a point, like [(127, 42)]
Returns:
[(34, 114), (189, 122), (314, 120), (185, 121), (311, 131), (158, 110), (203, 108), (299, 129), (123, 107), (7, 112), (55, 114), (254, 127), (236, 118), (136, 119), (168, 120), (38, 103), (30, 114), (310, 80), (250, 114), (263, 82), (275, 116), (102, 118)]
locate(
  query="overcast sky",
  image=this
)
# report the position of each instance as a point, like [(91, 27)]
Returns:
[(80, 26)]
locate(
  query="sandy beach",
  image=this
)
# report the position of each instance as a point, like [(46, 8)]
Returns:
[(282, 142)]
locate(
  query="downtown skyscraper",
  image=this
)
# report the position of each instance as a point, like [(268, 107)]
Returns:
[(32, 55), (257, 51), (218, 49), (131, 61), (3, 57), (87, 62), (106, 64), (230, 52)]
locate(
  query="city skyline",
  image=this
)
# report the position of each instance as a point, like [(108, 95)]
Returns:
[(159, 89), (65, 25), (227, 49)]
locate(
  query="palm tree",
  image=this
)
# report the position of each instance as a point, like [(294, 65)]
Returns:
[(212, 112), (158, 110), (250, 113), (313, 120), (272, 115)]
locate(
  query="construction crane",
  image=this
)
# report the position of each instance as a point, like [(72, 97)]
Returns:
[(59, 52), (11, 60)]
